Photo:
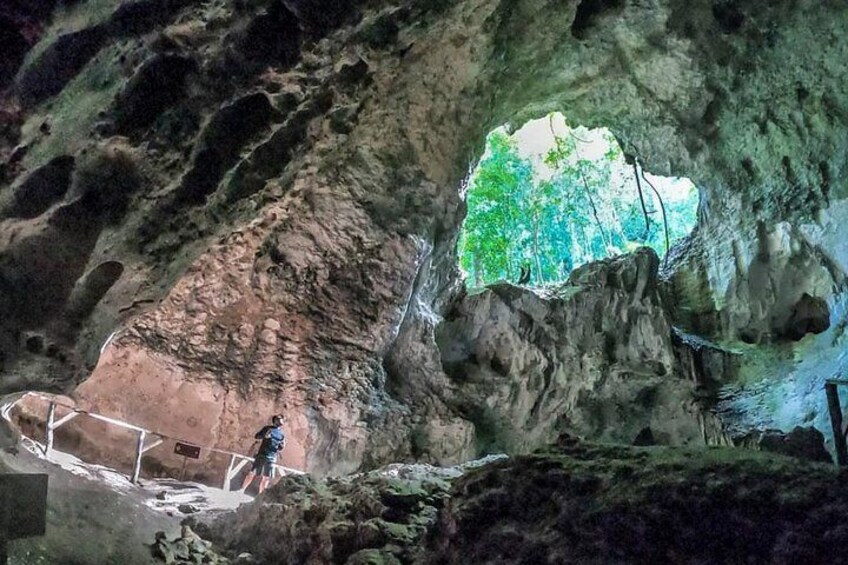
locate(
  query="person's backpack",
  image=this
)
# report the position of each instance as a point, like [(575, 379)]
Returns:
[(276, 444), (271, 444)]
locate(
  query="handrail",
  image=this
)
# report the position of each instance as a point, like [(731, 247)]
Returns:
[(836, 381), (834, 407), (145, 431)]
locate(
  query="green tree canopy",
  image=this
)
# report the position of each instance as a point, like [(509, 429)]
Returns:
[(576, 202)]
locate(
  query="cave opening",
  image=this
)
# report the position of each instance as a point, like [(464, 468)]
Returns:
[(548, 197)]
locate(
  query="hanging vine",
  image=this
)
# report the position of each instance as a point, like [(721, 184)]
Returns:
[(639, 171), (664, 215)]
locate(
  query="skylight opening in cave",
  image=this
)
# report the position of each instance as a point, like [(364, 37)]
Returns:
[(551, 197)]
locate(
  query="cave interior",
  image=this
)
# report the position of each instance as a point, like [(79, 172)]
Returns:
[(488, 346)]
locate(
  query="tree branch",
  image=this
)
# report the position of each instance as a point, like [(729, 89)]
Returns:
[(591, 200)]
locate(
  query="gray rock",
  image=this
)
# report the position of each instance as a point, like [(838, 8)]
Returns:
[(594, 357), (809, 315), (181, 549), (163, 552), (802, 443), (372, 557)]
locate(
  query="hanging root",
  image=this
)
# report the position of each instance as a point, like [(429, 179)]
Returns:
[(641, 197), (664, 217)]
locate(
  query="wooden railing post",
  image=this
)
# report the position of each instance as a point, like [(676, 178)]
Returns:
[(51, 416), (139, 451), (835, 410), (227, 476)]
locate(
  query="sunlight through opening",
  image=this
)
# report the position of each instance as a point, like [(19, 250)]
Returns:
[(550, 197)]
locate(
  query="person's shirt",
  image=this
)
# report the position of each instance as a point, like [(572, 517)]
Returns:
[(273, 440)]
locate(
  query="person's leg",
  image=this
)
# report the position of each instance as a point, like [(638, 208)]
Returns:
[(263, 483), (255, 468), (267, 471), (248, 479)]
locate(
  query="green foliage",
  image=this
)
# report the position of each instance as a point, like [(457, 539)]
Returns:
[(494, 239), (559, 212)]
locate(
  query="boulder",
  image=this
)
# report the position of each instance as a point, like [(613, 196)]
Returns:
[(810, 315), (802, 443), (188, 548)]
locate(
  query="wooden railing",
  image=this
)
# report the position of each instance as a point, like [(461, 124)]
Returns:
[(237, 460), (839, 428)]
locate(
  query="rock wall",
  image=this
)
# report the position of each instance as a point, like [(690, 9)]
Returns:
[(263, 201), (595, 358)]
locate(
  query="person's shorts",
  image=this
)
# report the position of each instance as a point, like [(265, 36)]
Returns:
[(262, 466)]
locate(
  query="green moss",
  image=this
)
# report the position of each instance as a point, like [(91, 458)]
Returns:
[(72, 18), (605, 503), (404, 534), (75, 110), (403, 493)]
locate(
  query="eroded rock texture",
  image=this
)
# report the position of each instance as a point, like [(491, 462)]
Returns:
[(595, 358), (262, 200), (383, 516), (592, 504), (578, 503)]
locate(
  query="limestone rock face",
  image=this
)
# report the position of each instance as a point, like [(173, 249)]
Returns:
[(595, 358), (780, 292), (232, 209)]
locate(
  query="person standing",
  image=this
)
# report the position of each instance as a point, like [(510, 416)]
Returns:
[(273, 442)]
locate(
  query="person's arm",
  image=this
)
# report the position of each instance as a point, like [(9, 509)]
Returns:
[(262, 434)]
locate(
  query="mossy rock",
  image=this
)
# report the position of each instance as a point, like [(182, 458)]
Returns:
[(372, 557)]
